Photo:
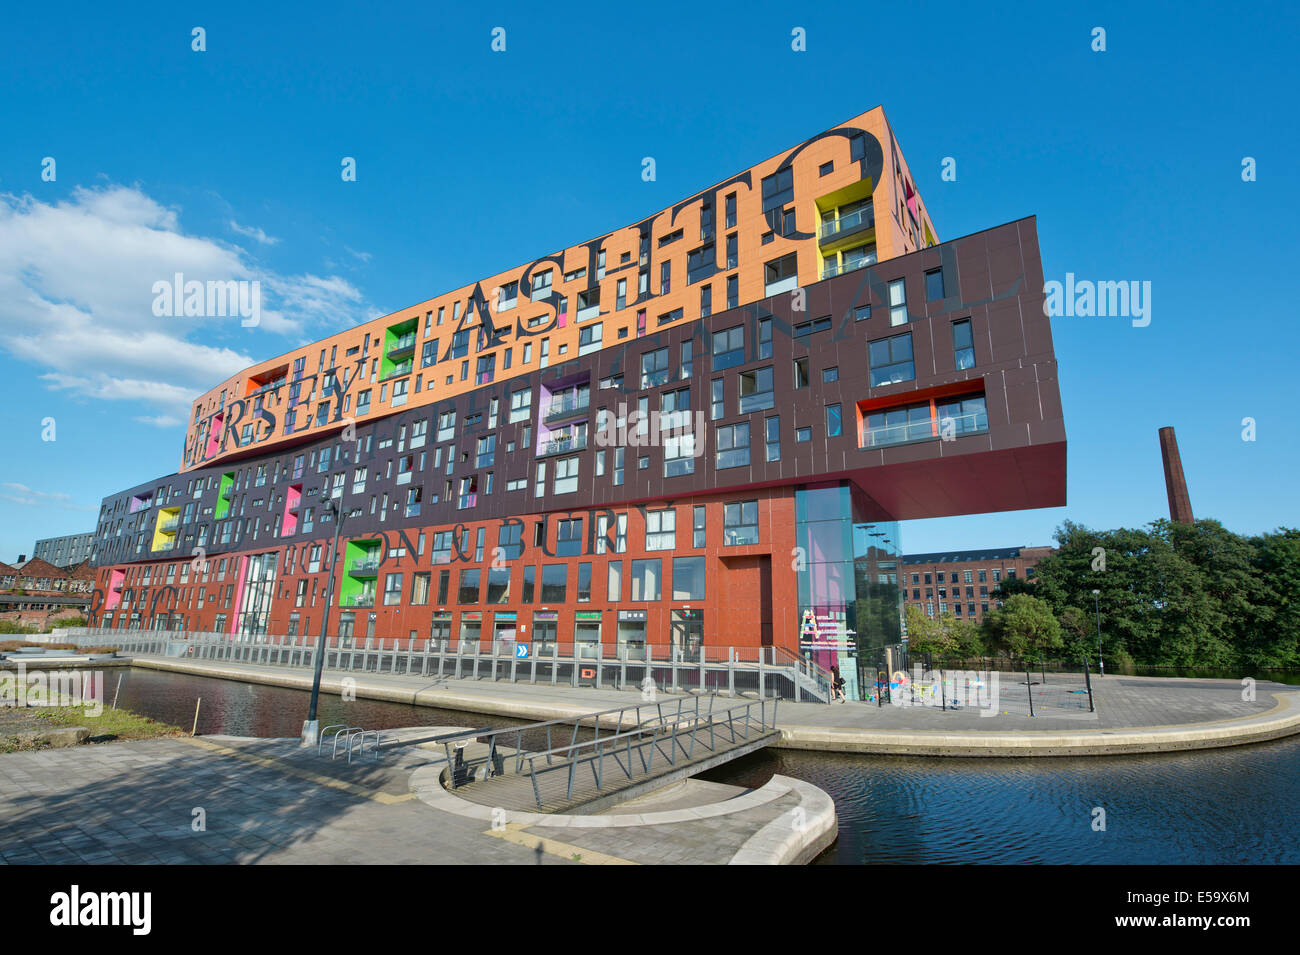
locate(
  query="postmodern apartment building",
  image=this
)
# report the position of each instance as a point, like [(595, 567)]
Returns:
[(699, 429), (65, 551), (962, 582)]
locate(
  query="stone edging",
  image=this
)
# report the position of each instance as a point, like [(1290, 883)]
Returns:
[(1283, 719)]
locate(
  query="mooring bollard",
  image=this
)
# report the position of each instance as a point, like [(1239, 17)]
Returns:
[(195, 727), (1029, 691)]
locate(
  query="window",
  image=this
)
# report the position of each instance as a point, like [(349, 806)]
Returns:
[(773, 439), (962, 416), (654, 368), (730, 210), (699, 264), (729, 348), (468, 590), (555, 583), (566, 475), (419, 589), (801, 376), (802, 435), (963, 345), (891, 360), (589, 339), (781, 275), (413, 497), (862, 313), (498, 590), (834, 420), (584, 582), (778, 189), (706, 301), (541, 284), (665, 277), (568, 538), (830, 374), (688, 578), (521, 405), (733, 291), (717, 403), (733, 446), (740, 522), (621, 294), (934, 285), (614, 591), (897, 425), (619, 454), (733, 256), (756, 392), (486, 454), (646, 578), (392, 589), (897, 303), (661, 530)]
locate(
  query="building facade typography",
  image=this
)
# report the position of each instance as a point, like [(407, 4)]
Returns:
[(694, 430)]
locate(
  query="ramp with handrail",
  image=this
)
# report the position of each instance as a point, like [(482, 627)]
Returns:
[(631, 749)]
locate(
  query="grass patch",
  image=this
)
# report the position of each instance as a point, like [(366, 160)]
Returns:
[(109, 726)]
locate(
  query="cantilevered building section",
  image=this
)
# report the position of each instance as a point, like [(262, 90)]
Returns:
[(700, 429)]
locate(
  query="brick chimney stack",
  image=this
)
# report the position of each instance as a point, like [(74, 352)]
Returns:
[(1180, 503)]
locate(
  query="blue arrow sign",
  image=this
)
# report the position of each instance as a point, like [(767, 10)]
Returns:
[(521, 650)]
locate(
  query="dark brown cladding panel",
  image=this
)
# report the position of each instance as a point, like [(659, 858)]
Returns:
[(993, 278)]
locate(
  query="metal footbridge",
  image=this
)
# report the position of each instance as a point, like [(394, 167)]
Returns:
[(591, 762)]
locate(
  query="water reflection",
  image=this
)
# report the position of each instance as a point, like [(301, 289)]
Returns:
[(1236, 805)]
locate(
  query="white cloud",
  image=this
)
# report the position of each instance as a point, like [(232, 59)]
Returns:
[(254, 233), (29, 497), (76, 298)]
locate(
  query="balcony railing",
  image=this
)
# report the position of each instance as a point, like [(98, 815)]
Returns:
[(861, 219), (169, 525), (404, 343), (399, 370), (564, 445), (974, 423), (360, 600), (568, 404), (831, 271), (363, 566)]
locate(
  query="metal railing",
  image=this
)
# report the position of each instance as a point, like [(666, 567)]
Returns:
[(402, 344), (680, 725), (760, 672), (567, 404), (363, 565), (974, 423), (864, 217)]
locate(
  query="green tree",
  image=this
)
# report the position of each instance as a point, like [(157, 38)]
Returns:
[(1025, 627)]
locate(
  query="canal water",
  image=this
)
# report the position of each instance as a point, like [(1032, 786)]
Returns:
[(1228, 806)]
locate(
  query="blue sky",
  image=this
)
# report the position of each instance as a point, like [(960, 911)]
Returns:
[(471, 161)]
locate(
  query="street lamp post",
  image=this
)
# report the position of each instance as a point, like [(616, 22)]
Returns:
[(311, 728), (1101, 662)]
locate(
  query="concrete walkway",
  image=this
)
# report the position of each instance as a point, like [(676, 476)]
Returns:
[(215, 799), (1133, 714)]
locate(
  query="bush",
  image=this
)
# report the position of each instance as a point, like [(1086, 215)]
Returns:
[(101, 649), (8, 626), (10, 645), (60, 646)]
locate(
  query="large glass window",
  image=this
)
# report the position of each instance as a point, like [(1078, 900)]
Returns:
[(729, 348), (498, 591), (740, 522), (891, 360), (654, 368), (568, 538), (732, 446), (555, 583), (469, 586), (756, 393), (661, 530), (566, 475), (897, 425), (934, 285), (646, 579), (688, 578), (778, 189), (962, 416)]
